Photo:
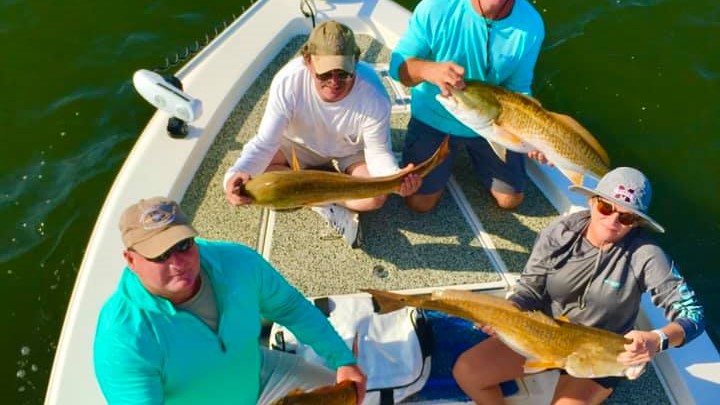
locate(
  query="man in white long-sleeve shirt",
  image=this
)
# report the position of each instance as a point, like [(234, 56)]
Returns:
[(329, 109)]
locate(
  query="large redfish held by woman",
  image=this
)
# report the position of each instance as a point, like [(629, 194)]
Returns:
[(583, 351)]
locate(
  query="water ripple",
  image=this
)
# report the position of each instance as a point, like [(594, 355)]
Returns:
[(33, 196)]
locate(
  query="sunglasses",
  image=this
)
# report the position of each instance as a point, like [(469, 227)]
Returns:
[(606, 208), (341, 75), (182, 246)]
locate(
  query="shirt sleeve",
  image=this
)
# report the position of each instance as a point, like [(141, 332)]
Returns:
[(670, 292), (377, 145), (282, 303), (127, 375), (530, 291), (414, 43), (259, 151)]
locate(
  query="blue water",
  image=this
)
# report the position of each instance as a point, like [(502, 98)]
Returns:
[(643, 76)]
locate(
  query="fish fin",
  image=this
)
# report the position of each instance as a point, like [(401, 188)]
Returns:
[(386, 301), (499, 150), (440, 154), (541, 317), (509, 138), (562, 318), (535, 366), (575, 178), (531, 99), (633, 372), (295, 391), (584, 133), (295, 163)]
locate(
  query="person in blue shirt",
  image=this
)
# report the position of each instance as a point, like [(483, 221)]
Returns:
[(183, 326), (446, 43)]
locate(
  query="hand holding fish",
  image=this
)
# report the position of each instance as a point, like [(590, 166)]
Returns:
[(445, 75), (410, 183), (641, 350), (539, 156), (233, 192), (353, 373)]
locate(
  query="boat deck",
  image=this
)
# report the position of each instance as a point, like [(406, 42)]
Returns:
[(463, 241)]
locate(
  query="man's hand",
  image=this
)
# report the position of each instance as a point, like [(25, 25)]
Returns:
[(233, 192), (539, 156), (353, 373), (411, 183), (445, 75)]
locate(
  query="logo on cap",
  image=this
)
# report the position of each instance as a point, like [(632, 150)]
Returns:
[(625, 194), (157, 216)]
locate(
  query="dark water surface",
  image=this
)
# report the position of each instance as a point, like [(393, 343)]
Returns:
[(643, 76)]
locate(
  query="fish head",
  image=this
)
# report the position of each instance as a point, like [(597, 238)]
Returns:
[(475, 107)]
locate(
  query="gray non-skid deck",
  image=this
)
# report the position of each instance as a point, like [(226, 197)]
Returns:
[(401, 249)]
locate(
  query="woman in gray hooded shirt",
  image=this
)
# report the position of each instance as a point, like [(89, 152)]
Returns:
[(592, 267)]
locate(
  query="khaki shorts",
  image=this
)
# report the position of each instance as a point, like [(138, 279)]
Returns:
[(309, 159), (283, 372)]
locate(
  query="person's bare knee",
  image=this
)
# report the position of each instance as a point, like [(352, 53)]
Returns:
[(479, 370), (507, 201), (579, 391), (423, 202)]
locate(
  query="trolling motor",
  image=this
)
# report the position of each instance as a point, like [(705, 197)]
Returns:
[(166, 94)]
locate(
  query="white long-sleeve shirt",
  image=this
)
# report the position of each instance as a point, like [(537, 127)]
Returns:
[(360, 121)]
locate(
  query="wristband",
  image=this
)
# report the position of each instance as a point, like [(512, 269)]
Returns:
[(664, 341)]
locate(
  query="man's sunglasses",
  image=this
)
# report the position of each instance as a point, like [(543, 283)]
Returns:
[(182, 246), (341, 75), (606, 208)]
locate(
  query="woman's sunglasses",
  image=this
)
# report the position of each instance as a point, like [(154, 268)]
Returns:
[(182, 246), (606, 208), (341, 75)]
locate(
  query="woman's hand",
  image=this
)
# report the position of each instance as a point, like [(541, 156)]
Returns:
[(641, 350)]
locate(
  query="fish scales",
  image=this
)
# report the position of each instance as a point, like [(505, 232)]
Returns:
[(298, 188), (522, 115)]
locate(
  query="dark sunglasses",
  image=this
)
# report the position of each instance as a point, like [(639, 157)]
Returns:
[(341, 75), (606, 208), (182, 246)]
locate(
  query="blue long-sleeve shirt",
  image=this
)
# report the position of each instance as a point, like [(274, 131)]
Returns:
[(451, 30), (147, 352)]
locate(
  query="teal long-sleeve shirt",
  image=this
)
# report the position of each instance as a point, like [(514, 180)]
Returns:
[(451, 30), (147, 352)]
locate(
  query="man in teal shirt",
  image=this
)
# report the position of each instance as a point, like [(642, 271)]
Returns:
[(184, 323), (446, 43)]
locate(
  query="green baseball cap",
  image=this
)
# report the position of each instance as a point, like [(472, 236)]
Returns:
[(331, 46)]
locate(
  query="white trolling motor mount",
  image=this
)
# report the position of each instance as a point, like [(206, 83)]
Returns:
[(166, 94)]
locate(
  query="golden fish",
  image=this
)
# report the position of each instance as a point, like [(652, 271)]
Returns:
[(583, 351), (343, 393), (510, 120), (297, 188)]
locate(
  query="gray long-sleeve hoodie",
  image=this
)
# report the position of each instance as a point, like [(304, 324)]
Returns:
[(567, 276)]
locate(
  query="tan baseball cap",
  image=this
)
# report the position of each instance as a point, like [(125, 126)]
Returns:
[(152, 226), (331, 46)]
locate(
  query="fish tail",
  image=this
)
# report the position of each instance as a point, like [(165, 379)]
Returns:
[(438, 157), (386, 301)]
